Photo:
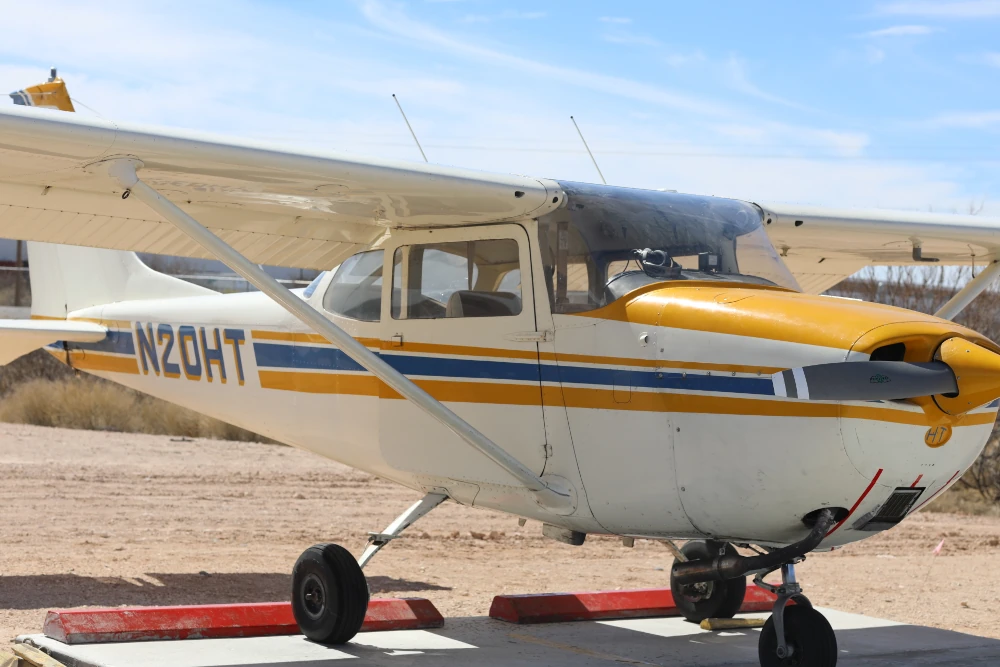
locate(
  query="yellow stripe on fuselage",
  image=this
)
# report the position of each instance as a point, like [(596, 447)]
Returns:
[(88, 360), (450, 391)]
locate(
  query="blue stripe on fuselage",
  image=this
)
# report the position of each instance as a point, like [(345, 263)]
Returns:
[(120, 342), (297, 357)]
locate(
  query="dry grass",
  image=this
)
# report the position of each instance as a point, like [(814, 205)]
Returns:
[(7, 288), (92, 404), (37, 389), (961, 499)]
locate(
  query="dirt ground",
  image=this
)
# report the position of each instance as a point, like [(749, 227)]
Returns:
[(112, 519)]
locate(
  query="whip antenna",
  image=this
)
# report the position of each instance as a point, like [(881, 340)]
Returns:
[(584, 145), (410, 128)]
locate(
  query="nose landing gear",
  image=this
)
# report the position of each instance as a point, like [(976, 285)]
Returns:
[(797, 635)]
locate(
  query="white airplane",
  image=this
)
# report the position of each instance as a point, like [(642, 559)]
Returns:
[(603, 360)]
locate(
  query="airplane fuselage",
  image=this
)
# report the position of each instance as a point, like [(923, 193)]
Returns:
[(658, 409)]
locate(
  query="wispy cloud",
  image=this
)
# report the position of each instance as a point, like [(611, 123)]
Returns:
[(630, 38), (963, 9), (393, 20), (992, 59), (684, 59), (900, 31), (739, 80), (509, 15), (616, 19), (970, 120)]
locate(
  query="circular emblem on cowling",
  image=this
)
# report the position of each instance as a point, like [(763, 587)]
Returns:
[(937, 435)]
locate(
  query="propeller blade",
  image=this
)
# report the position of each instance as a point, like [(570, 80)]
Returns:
[(865, 381)]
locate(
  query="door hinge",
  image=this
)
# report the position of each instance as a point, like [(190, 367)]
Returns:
[(546, 336)]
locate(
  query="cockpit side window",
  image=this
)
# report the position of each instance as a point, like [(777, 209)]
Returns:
[(356, 288), (464, 279)]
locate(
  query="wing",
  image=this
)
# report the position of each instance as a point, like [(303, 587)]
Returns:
[(822, 246), (276, 206), (19, 337)]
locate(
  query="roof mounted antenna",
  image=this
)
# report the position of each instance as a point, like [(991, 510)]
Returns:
[(588, 150), (53, 75), (410, 128)]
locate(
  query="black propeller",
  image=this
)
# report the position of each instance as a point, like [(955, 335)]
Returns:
[(865, 381)]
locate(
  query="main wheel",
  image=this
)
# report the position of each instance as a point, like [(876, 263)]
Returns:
[(329, 594), (710, 599), (807, 633)]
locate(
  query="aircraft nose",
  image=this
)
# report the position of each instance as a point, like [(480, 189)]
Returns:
[(977, 373), (962, 376)]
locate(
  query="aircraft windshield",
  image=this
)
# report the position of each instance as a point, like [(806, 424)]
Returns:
[(605, 242)]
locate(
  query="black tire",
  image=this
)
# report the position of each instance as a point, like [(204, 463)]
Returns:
[(808, 632), (329, 594), (715, 599)]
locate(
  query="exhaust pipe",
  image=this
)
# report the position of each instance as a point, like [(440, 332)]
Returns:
[(722, 568)]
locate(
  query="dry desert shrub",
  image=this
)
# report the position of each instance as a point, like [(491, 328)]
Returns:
[(37, 389)]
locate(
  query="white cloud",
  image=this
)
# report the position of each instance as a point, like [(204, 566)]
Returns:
[(509, 15), (738, 79), (963, 9), (402, 26), (622, 37), (616, 19), (992, 59), (971, 120), (900, 31), (684, 59)]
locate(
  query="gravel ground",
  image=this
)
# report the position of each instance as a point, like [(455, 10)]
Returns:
[(119, 519)]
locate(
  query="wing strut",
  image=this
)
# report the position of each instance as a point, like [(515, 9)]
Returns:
[(976, 286), (559, 500)]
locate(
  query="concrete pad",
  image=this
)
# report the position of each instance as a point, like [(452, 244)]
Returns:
[(483, 642)]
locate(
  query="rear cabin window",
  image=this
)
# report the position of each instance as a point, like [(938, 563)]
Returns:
[(462, 279), (356, 288)]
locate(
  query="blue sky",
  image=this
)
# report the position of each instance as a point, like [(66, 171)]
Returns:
[(892, 104)]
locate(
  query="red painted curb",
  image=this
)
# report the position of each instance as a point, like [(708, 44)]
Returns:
[(128, 624), (559, 607)]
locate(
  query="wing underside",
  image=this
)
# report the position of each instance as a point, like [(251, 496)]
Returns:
[(275, 206), (311, 210), (822, 246)]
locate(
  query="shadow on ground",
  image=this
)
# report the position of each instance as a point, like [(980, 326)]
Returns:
[(155, 589)]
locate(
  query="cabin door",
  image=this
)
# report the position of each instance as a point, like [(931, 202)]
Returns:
[(460, 323)]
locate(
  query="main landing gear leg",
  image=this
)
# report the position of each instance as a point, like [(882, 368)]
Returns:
[(329, 591), (797, 635), (418, 509), (706, 599)]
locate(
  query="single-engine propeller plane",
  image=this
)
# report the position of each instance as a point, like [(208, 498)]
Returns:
[(601, 359)]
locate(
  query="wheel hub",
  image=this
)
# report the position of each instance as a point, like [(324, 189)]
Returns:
[(313, 596), (698, 592)]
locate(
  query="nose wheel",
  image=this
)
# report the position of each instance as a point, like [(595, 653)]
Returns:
[(329, 594), (809, 640), (708, 599), (796, 635)]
